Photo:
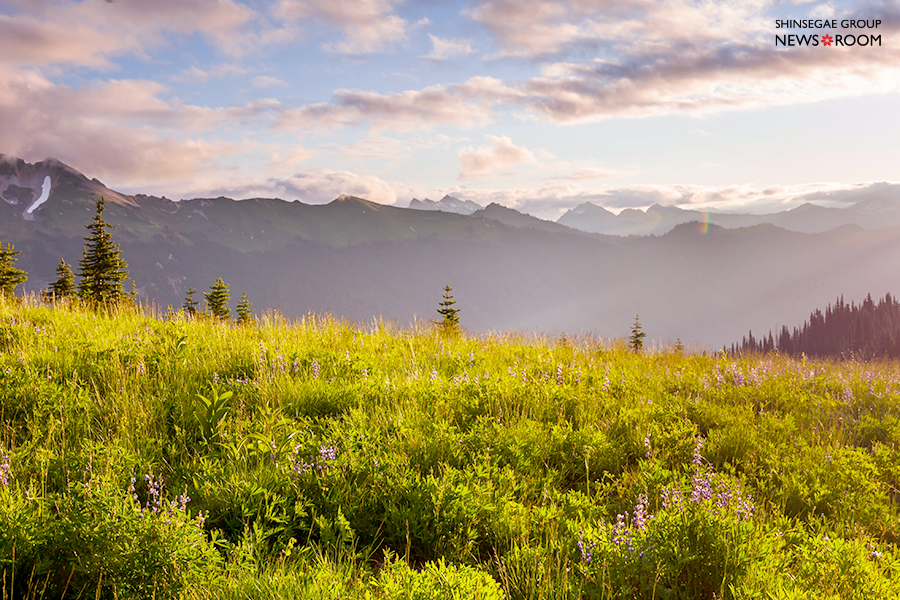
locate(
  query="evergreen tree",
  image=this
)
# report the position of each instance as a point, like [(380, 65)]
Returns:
[(449, 322), (10, 276), (64, 286), (244, 312), (102, 269), (217, 300), (636, 341), (190, 305)]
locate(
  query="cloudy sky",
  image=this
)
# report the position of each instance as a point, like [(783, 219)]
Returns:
[(537, 104)]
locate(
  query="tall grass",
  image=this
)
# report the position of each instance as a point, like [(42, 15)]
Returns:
[(145, 455)]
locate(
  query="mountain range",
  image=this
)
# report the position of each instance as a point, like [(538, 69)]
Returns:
[(509, 271), (869, 213)]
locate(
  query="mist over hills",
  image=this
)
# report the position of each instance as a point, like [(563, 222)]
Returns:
[(509, 271), (869, 213)]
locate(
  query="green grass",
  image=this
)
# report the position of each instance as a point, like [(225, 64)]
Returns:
[(326, 460)]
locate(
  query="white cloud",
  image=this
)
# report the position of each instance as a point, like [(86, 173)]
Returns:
[(466, 105), (368, 26), (822, 11), (502, 153), (445, 49), (89, 33), (121, 130)]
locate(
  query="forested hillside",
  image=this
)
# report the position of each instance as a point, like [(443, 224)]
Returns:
[(867, 330)]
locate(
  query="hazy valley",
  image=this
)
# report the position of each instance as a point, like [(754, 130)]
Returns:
[(509, 271)]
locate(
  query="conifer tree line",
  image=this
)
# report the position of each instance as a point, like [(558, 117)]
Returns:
[(867, 330), (217, 304), (102, 270)]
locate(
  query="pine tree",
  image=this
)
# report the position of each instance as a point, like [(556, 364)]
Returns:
[(449, 322), (636, 341), (10, 276), (217, 300), (244, 312), (64, 286), (190, 305), (102, 269)]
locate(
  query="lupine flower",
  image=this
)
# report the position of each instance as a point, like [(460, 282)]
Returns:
[(648, 450), (183, 499), (672, 497), (315, 369), (4, 470), (559, 375), (640, 518), (619, 530)]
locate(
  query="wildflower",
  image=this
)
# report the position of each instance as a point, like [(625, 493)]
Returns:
[(671, 497), (648, 450), (183, 500), (327, 453), (4, 470), (315, 369), (559, 375), (640, 513), (620, 530)]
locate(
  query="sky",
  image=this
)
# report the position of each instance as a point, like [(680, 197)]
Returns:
[(535, 104)]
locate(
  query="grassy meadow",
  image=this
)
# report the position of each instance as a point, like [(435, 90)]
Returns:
[(149, 456)]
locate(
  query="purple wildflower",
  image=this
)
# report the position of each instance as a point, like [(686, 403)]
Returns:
[(640, 516), (4, 470)]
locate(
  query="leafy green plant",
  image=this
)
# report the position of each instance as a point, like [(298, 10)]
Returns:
[(211, 412), (436, 581)]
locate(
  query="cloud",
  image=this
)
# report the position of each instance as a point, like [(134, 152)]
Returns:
[(478, 162), (822, 11), (88, 33), (266, 81), (702, 80), (369, 26), (121, 130), (588, 174), (467, 104), (195, 74), (683, 58), (550, 201), (316, 186), (445, 49)]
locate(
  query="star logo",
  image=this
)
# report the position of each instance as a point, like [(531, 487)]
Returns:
[(826, 40)]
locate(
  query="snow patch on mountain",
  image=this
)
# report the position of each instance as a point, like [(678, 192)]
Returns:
[(446, 204), (45, 193)]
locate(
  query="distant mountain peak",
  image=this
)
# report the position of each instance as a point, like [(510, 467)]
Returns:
[(446, 204), (28, 186)]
